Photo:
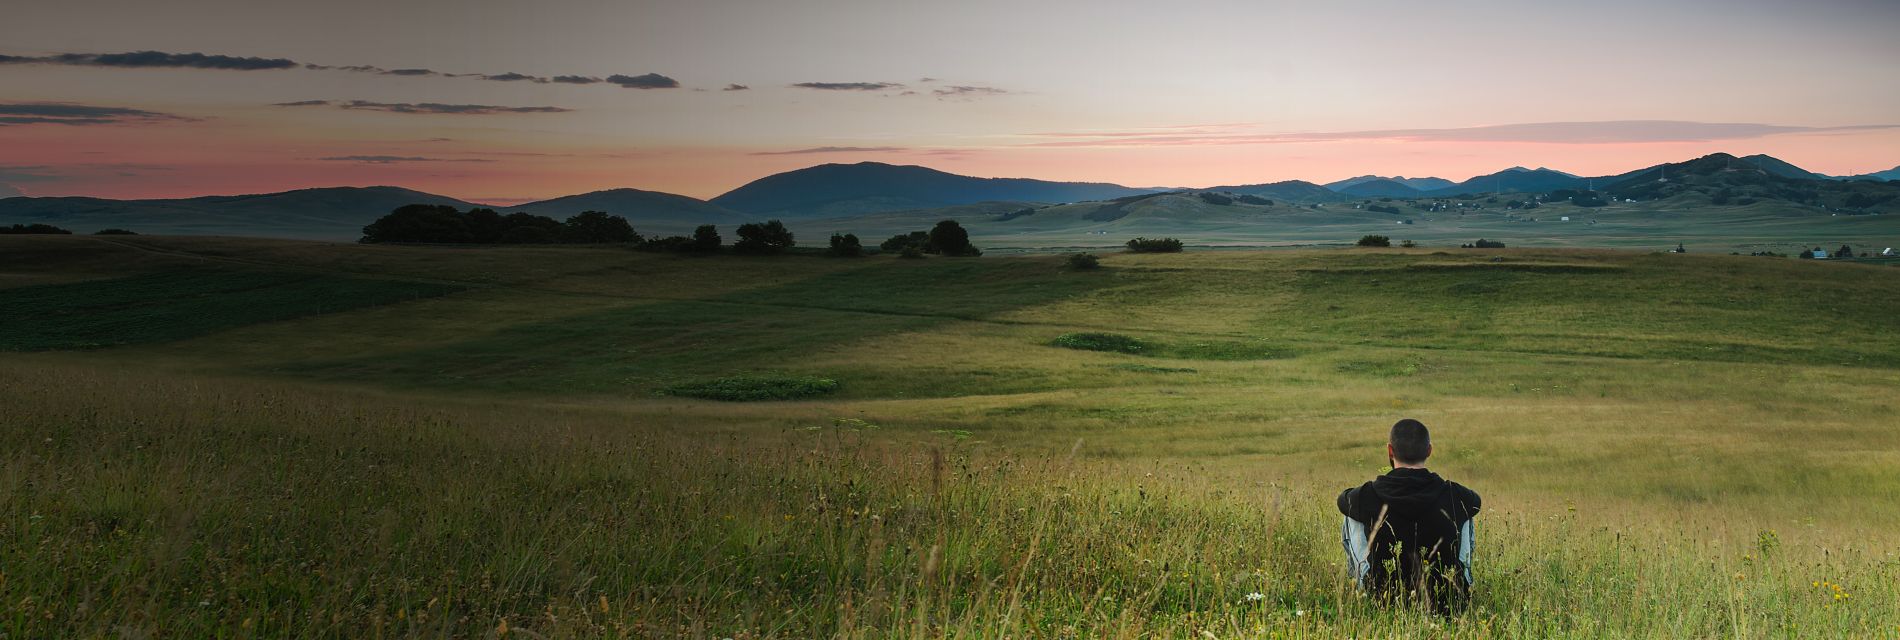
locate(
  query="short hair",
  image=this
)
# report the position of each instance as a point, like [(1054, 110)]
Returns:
[(1411, 441)]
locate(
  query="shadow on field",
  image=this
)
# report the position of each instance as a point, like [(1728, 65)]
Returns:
[(774, 328)]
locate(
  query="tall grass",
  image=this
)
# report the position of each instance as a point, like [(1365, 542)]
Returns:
[(139, 504)]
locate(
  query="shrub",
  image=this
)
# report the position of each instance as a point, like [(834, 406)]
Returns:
[(1215, 198), (898, 242), (1084, 261), (950, 239), (911, 252), (527, 235), (1488, 244), (753, 388), (1154, 245), (1112, 342), (770, 236), (419, 223), (705, 239), (113, 232), (667, 244), (1374, 241), (845, 246), (597, 227), (1407, 244)]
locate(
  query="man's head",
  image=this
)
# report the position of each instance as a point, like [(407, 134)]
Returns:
[(1410, 443)]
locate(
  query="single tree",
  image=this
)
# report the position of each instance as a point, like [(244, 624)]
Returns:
[(950, 239), (845, 246), (594, 227), (706, 239)]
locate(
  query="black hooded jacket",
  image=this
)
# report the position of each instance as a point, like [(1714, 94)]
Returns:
[(1421, 513)]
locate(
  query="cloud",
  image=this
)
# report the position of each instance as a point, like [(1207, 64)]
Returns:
[(576, 79), (644, 81), (926, 79), (1606, 132), (22, 174), (965, 91), (66, 113), (156, 60), (422, 107), (410, 72), (795, 152), (514, 77), (371, 159), (849, 86), (736, 87)]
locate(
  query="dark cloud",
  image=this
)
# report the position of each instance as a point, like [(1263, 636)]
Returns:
[(21, 174), (849, 86), (576, 80), (77, 114), (644, 81), (396, 159), (965, 91), (796, 152), (514, 77), (410, 72), (421, 107), (156, 59), (736, 87), (926, 79)]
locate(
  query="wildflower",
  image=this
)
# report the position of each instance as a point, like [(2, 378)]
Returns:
[(1299, 613), (1256, 596)]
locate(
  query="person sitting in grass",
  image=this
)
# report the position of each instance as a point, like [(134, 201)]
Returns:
[(1408, 533)]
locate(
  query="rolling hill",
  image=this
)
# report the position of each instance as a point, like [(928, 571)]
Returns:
[(1515, 180), (1420, 184), (830, 190), (1288, 190), (649, 211), (324, 213), (1380, 188)]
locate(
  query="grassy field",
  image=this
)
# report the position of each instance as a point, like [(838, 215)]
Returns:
[(483, 444)]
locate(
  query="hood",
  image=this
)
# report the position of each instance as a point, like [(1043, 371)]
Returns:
[(1411, 491)]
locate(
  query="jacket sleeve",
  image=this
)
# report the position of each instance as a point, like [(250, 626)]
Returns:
[(1470, 500), (1345, 501)]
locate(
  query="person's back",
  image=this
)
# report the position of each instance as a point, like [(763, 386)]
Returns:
[(1408, 534)]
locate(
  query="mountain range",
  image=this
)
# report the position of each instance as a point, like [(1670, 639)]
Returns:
[(837, 192)]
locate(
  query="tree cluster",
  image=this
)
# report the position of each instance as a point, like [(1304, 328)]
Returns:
[(443, 224), (763, 238), (948, 238), (1483, 244), (33, 229), (1374, 241), (1154, 245)]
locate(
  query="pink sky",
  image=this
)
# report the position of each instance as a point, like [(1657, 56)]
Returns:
[(1197, 94)]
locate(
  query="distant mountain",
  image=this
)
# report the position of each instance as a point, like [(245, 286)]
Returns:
[(829, 190), (1877, 176), (1289, 190), (1420, 184), (332, 213), (1782, 168), (1380, 188), (1724, 180), (1515, 180), (649, 211)]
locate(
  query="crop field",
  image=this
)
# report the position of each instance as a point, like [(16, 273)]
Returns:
[(216, 437)]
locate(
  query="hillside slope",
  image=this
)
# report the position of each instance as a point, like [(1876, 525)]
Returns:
[(872, 187), (323, 213)]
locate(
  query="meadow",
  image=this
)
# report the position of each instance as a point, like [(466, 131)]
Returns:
[(213, 437)]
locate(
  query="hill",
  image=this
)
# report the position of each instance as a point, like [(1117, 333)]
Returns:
[(1782, 168), (1421, 184), (1878, 176), (1381, 188), (1721, 179), (321, 213), (1287, 190), (872, 187), (1515, 180), (649, 211)]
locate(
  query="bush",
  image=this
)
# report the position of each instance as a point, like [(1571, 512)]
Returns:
[(898, 242), (1084, 261), (597, 227), (705, 239), (911, 252), (1112, 342), (1408, 244), (113, 232), (1215, 198), (753, 388), (667, 244), (950, 239), (1487, 244), (770, 236), (1374, 241), (1154, 245), (845, 246)]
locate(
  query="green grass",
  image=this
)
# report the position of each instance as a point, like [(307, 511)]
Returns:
[(1668, 446), (174, 305), (753, 388)]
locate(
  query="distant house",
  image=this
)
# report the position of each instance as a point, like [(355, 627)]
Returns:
[(1818, 253), (1564, 219), (1889, 253)]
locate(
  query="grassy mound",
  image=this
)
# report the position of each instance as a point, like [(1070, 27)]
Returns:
[(1114, 342), (754, 388)]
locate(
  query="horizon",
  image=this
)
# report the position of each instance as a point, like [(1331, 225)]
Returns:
[(132, 101)]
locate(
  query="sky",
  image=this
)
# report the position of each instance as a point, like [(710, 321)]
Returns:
[(506, 102)]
